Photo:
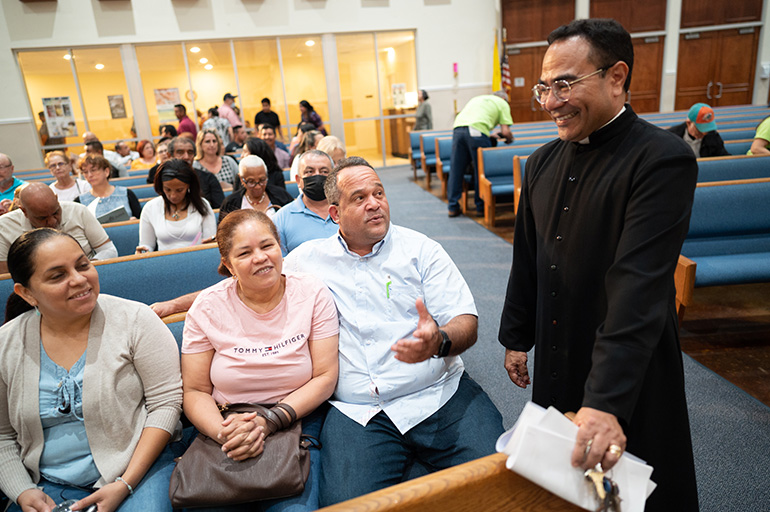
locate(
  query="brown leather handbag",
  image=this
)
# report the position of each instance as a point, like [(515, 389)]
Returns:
[(204, 476)]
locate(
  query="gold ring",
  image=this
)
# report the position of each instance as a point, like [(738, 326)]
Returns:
[(615, 450)]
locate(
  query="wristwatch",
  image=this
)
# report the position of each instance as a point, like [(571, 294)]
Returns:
[(445, 346)]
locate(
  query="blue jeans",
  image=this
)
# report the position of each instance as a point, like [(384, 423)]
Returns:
[(357, 460), (151, 495), (305, 502), (464, 153)]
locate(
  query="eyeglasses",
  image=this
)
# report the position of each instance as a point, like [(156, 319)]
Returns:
[(56, 165), (252, 183), (561, 88), (5, 166)]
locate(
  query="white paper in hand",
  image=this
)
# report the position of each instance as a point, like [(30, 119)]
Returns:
[(539, 448)]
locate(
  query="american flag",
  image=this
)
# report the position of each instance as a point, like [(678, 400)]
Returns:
[(505, 72)]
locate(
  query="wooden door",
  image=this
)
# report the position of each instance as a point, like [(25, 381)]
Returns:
[(734, 77), (634, 15), (703, 13), (698, 55), (532, 20), (646, 76), (525, 65), (716, 67)]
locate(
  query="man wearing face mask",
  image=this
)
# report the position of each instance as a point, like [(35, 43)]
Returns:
[(307, 217)]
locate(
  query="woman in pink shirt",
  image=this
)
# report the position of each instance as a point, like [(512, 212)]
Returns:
[(261, 337)]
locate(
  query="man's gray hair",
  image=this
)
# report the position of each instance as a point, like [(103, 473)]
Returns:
[(176, 141), (331, 188), (250, 161), (315, 152)]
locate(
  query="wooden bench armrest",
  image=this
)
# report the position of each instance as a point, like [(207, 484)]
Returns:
[(684, 280), (483, 484), (175, 317)]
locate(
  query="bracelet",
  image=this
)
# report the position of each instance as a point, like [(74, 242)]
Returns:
[(130, 489)]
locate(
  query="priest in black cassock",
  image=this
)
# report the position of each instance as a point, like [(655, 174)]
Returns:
[(603, 213)]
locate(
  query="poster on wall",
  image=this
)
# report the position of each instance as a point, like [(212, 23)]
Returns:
[(59, 118), (399, 95), (165, 99), (117, 106)]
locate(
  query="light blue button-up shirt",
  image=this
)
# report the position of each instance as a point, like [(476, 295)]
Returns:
[(375, 296), (296, 224)]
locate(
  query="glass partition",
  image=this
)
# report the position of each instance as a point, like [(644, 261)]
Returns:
[(105, 94), (212, 75), (304, 77), (48, 74), (164, 80), (259, 74)]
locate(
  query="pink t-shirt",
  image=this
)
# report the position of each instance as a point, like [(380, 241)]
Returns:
[(260, 358)]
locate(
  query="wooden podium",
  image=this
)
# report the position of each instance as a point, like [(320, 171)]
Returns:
[(481, 485)]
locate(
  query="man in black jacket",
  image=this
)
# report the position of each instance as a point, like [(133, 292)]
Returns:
[(699, 131)]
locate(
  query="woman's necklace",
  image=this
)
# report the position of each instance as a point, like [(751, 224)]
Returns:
[(175, 213), (253, 203)]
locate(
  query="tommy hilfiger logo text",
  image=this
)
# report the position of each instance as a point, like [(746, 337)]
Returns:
[(271, 349)]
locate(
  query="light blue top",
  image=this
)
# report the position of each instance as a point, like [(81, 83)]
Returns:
[(375, 296), (66, 456), (296, 224), (8, 194), (119, 197)]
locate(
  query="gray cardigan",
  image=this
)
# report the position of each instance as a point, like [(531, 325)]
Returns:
[(131, 381)]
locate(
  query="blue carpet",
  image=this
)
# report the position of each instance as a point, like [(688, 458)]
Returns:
[(730, 429)]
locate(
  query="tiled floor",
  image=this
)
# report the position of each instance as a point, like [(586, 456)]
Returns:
[(727, 329)]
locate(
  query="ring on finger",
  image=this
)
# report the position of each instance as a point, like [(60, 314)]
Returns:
[(588, 447), (615, 450)]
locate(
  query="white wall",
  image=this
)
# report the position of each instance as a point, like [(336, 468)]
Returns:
[(447, 31)]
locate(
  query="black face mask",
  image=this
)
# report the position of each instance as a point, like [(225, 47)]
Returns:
[(313, 187)]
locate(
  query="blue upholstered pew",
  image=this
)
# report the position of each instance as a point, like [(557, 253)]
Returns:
[(292, 188), (495, 176), (125, 235), (443, 161), (143, 191), (737, 133), (738, 147), (415, 157), (733, 168), (729, 235), (152, 277), (428, 152)]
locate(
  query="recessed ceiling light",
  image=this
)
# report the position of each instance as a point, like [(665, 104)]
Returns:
[(208, 66), (299, 55), (309, 42), (67, 56), (99, 66), (195, 49), (204, 60)]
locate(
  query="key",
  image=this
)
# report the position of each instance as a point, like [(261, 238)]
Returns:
[(607, 493)]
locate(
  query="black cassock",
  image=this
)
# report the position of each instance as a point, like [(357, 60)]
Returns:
[(598, 234)]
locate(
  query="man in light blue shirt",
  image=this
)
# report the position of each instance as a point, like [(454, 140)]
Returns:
[(406, 314), (307, 217)]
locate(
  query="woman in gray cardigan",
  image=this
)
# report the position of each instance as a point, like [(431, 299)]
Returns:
[(90, 387)]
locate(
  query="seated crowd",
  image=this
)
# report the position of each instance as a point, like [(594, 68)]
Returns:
[(353, 325), (403, 394)]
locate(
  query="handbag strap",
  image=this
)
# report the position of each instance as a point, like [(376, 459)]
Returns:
[(289, 410)]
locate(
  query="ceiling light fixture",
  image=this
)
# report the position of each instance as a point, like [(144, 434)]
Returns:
[(208, 66), (99, 66), (204, 60), (309, 42), (195, 49)]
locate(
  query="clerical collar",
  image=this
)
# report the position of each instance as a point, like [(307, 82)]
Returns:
[(587, 141)]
